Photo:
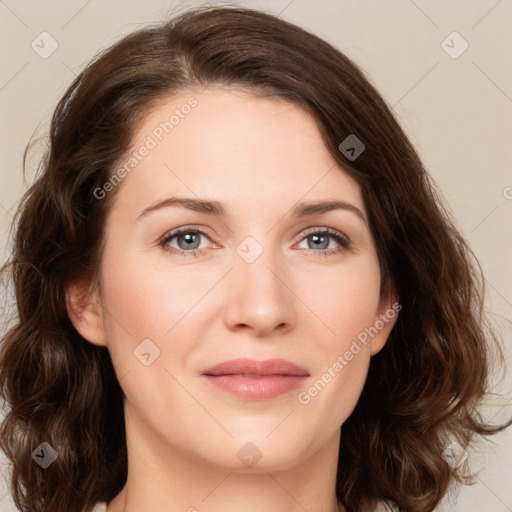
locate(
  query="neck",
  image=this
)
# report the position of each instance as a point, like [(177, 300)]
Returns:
[(166, 478)]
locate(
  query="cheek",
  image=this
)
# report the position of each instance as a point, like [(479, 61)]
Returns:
[(347, 303), (345, 300), (152, 302), (336, 386), (142, 304), (134, 311), (333, 392), (148, 300)]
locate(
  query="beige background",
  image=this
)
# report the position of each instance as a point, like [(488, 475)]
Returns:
[(457, 112)]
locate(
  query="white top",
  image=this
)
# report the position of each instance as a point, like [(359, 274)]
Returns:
[(382, 507)]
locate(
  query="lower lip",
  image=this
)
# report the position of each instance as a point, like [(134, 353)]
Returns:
[(257, 388)]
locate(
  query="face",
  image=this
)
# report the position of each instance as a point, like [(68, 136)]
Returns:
[(214, 253)]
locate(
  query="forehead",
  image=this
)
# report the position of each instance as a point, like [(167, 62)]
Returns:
[(230, 145)]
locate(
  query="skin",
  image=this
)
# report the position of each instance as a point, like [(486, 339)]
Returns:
[(259, 157)]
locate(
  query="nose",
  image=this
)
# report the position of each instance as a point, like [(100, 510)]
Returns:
[(259, 297)]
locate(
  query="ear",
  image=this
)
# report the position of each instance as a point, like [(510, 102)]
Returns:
[(84, 309), (385, 318)]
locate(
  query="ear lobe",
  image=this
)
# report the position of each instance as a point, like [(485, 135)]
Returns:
[(84, 310), (386, 318)]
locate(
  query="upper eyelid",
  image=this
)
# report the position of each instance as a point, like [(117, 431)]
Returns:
[(324, 229), (177, 231)]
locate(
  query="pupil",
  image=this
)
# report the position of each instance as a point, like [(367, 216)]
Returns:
[(320, 245), (189, 238)]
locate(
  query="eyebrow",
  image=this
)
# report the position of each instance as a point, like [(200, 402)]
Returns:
[(218, 209)]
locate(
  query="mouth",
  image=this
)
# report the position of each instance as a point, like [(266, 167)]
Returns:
[(256, 380)]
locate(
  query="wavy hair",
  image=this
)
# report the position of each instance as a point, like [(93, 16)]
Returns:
[(63, 390)]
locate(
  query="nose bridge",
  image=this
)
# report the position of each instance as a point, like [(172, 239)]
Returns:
[(259, 298)]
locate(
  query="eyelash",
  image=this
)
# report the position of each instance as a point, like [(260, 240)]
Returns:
[(340, 238)]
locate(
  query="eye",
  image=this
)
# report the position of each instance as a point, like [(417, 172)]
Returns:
[(321, 241), (325, 241), (184, 241)]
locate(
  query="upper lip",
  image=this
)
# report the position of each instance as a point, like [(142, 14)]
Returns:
[(253, 367)]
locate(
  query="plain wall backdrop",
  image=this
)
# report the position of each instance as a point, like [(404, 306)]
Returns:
[(444, 67)]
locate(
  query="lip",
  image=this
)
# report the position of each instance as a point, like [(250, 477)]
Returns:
[(256, 380)]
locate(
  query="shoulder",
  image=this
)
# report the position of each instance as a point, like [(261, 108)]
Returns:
[(100, 507), (381, 506), (387, 506)]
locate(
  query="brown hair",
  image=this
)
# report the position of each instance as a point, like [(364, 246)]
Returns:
[(61, 389)]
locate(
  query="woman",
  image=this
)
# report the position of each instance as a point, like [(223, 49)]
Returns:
[(237, 288)]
